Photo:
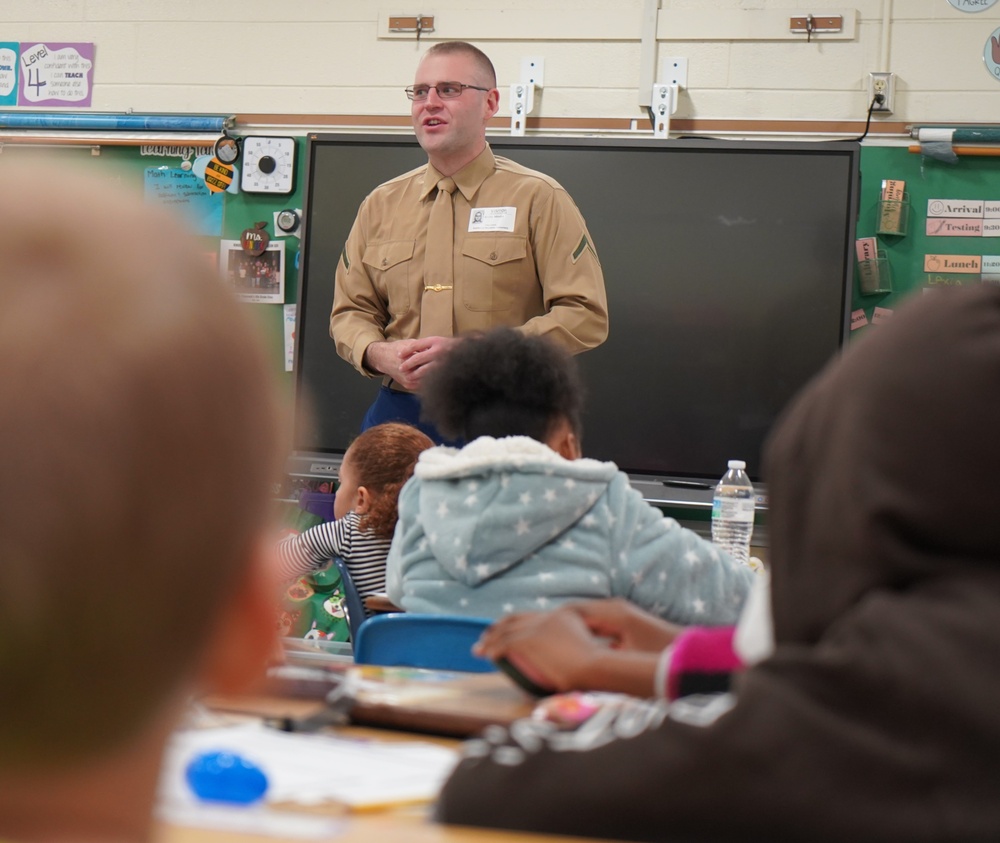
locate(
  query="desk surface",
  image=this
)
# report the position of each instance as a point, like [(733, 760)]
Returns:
[(456, 707), (395, 825), (392, 827), (432, 702)]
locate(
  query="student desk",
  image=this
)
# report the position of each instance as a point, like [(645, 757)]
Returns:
[(390, 827), (456, 708), (410, 824)]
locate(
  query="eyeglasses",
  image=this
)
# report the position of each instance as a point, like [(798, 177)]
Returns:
[(445, 90)]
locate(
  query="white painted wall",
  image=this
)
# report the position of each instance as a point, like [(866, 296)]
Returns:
[(335, 57)]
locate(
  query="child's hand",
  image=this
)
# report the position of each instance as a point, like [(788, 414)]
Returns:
[(583, 646), (555, 650), (626, 625)]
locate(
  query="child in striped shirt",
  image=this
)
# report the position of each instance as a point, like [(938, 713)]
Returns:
[(373, 470)]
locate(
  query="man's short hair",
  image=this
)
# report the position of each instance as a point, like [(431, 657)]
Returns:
[(139, 443), (503, 383), (483, 64)]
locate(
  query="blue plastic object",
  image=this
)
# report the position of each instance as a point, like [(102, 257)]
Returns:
[(435, 642), (319, 504), (353, 603), (223, 776)]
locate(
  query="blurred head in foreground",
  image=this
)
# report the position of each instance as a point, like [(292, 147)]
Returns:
[(139, 440)]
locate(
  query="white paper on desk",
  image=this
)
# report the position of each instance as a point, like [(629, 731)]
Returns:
[(310, 769), (258, 821)]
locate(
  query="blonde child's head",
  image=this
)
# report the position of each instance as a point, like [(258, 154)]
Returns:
[(375, 467), (139, 440)]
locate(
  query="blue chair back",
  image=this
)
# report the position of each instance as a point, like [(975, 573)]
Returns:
[(353, 604), (436, 642)]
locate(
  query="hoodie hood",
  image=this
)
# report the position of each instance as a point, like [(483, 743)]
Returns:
[(883, 474), (487, 507)]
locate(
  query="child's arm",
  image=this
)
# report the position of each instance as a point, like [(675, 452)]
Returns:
[(563, 651), (313, 549), (625, 626), (559, 652)]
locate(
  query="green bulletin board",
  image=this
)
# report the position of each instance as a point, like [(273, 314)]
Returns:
[(974, 178), (128, 167)]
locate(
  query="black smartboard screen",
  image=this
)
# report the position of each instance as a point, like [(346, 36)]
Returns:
[(729, 274)]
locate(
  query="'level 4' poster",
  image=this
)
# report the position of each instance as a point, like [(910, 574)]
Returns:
[(53, 75)]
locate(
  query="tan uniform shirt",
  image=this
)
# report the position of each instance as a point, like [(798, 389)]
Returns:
[(541, 275)]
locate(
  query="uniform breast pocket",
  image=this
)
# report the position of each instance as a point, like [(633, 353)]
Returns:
[(496, 271), (390, 266)]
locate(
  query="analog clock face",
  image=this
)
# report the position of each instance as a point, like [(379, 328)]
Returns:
[(268, 165)]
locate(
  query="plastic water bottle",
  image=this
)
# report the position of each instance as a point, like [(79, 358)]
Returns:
[(733, 511)]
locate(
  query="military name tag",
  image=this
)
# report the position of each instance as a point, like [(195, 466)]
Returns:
[(492, 219)]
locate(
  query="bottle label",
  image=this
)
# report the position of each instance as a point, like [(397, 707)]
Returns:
[(733, 509)]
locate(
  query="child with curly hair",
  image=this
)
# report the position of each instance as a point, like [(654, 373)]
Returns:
[(373, 470), (517, 520)]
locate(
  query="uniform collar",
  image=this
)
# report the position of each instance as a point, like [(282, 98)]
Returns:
[(468, 180)]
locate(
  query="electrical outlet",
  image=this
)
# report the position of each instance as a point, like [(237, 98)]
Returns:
[(884, 84)]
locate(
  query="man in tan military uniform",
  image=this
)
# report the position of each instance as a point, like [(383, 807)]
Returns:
[(520, 254)]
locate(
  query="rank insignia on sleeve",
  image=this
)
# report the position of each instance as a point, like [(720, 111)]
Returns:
[(582, 247)]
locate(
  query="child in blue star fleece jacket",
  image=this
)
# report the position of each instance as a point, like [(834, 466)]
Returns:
[(516, 520)]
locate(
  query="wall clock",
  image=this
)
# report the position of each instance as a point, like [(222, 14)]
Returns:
[(268, 165)]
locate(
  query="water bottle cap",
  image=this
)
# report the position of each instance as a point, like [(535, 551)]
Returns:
[(738, 464)]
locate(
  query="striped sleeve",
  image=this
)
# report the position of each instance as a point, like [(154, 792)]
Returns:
[(313, 549)]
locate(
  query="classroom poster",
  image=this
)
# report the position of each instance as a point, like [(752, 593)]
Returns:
[(184, 193), (56, 75), (257, 279), (8, 72)]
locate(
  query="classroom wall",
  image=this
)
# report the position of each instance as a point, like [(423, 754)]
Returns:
[(290, 67), (308, 62)]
